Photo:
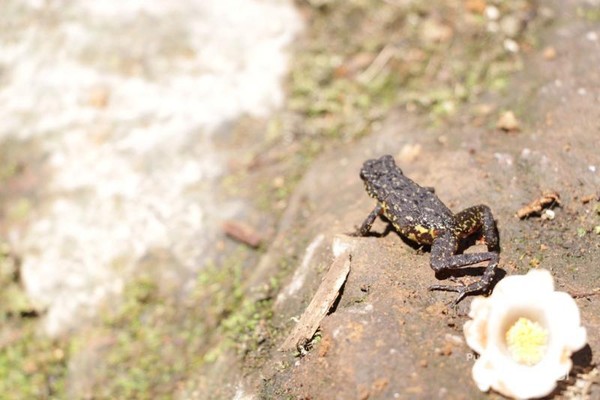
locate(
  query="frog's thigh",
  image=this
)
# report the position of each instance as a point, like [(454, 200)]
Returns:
[(469, 220), (473, 219)]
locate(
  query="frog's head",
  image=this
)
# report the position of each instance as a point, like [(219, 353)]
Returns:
[(376, 175)]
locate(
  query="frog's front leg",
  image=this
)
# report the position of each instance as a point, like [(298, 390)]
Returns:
[(443, 257), (368, 222)]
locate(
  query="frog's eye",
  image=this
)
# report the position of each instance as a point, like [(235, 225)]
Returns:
[(389, 163), (388, 159)]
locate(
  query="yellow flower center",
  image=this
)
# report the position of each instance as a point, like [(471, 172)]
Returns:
[(527, 341)]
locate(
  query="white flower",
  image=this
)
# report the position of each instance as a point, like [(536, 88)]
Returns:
[(525, 333)]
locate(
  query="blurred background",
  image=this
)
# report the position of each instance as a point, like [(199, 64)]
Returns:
[(150, 152)]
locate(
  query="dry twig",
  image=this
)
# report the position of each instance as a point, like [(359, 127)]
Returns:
[(320, 304)]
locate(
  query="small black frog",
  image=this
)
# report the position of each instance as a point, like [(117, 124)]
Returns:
[(419, 215)]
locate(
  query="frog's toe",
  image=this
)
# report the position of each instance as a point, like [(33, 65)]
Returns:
[(456, 280), (460, 289), (448, 288), (357, 232), (461, 295)]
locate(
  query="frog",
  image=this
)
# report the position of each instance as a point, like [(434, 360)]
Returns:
[(417, 214)]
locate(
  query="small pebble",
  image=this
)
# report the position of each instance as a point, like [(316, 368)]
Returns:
[(511, 45), (504, 159), (508, 122), (492, 13), (410, 152), (279, 182), (525, 153), (549, 53), (548, 214)]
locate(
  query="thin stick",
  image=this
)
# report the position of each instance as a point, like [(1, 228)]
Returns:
[(320, 304)]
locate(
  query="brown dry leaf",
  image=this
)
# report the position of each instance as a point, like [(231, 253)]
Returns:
[(589, 197), (242, 232), (548, 199)]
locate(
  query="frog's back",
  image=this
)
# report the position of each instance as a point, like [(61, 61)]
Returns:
[(419, 205)]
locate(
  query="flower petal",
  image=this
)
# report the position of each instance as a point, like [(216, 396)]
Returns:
[(484, 374), (476, 330), (568, 320), (535, 281)]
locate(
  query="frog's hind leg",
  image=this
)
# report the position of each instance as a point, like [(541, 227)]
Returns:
[(475, 219), (443, 258)]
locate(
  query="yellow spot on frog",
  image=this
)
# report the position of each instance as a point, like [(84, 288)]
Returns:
[(527, 341), (423, 232), (421, 229)]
